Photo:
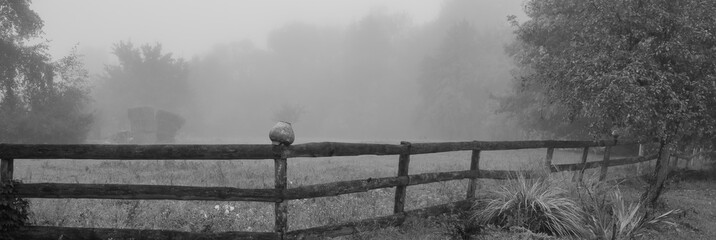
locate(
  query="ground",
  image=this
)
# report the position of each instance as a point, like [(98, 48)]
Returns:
[(695, 197)]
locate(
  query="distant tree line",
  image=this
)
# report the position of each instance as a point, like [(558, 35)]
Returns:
[(41, 101)]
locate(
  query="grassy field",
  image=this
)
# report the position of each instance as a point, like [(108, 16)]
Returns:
[(247, 216)]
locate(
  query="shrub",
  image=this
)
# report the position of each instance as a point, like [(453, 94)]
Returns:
[(13, 209), (609, 216), (536, 204)]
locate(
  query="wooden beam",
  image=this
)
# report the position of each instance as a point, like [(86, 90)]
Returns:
[(354, 186), (611, 163), (281, 180), (135, 152), (264, 151), (605, 163), (400, 190), (575, 166), (330, 149), (579, 176), (548, 160), (631, 160), (47, 232), (423, 148), (145, 192), (164, 192), (474, 167), (7, 165), (343, 187)]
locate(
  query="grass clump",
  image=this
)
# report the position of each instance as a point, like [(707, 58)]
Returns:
[(536, 204), (608, 215)]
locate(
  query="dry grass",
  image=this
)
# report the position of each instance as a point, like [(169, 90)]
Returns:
[(539, 205)]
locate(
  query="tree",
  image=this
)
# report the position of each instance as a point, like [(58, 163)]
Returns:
[(646, 68), (455, 82), (41, 101), (145, 76)]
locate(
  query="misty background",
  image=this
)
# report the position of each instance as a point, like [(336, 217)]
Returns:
[(338, 70)]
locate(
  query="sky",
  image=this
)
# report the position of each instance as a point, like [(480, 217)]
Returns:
[(188, 28)]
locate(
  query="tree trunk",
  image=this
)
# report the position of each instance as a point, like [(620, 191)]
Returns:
[(661, 172)]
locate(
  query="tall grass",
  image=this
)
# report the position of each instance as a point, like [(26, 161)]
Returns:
[(588, 210), (608, 215), (536, 204)]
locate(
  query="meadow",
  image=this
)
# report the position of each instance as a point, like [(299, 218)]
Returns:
[(210, 216)]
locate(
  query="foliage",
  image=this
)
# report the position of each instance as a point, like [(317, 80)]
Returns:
[(643, 66), (535, 204), (13, 209), (41, 101), (459, 226), (144, 76), (609, 216), (541, 120)]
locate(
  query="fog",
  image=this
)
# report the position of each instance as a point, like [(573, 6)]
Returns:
[(368, 71)]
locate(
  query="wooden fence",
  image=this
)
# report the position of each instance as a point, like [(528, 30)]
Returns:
[(280, 194)]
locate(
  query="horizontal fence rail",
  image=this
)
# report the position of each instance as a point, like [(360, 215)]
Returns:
[(280, 194), (611, 163), (266, 151)]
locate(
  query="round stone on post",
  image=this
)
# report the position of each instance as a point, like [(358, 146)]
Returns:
[(616, 132), (282, 133)]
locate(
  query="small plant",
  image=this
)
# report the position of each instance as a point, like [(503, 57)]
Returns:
[(609, 216), (459, 227), (13, 209), (534, 204)]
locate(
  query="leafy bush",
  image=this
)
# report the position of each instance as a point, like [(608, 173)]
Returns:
[(536, 204), (13, 209), (609, 216)]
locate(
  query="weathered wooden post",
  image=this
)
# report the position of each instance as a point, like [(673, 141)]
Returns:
[(6, 167), (548, 161), (605, 163), (690, 161), (403, 166), (280, 207), (639, 164), (607, 151), (475, 168), (579, 175), (281, 137)]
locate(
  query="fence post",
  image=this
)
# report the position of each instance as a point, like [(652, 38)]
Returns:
[(548, 160), (579, 175), (474, 167), (6, 168), (690, 162), (280, 207), (605, 163), (639, 164), (403, 166)]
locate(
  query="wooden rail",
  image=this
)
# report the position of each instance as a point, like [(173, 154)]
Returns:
[(280, 194)]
